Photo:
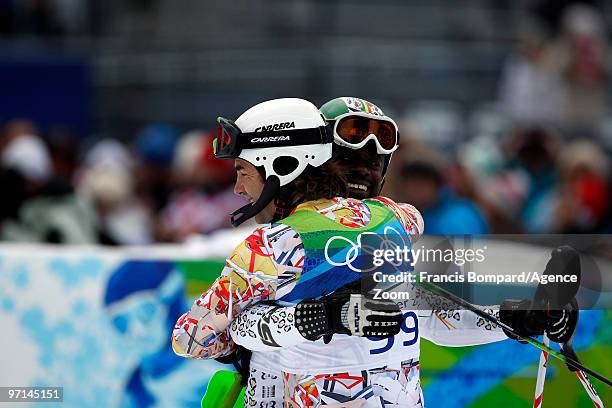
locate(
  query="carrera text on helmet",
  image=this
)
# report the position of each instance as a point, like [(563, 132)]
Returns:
[(270, 139), (276, 126)]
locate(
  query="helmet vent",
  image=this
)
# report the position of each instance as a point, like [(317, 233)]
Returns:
[(285, 165)]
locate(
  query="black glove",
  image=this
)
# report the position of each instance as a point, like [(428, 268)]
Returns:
[(518, 315), (347, 313), (554, 309), (565, 261), (559, 325)]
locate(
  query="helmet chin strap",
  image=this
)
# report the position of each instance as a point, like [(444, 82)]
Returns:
[(270, 190)]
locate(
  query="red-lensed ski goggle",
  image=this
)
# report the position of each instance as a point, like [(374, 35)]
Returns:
[(355, 129), (230, 140)]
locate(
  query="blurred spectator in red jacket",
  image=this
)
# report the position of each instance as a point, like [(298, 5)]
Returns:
[(584, 196), (204, 195)]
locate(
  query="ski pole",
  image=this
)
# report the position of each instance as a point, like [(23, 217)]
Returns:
[(539, 391), (560, 356)]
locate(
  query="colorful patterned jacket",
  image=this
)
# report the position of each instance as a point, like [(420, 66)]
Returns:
[(267, 266)]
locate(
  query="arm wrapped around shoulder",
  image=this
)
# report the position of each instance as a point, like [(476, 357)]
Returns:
[(249, 276), (344, 312), (407, 214), (414, 225), (202, 332)]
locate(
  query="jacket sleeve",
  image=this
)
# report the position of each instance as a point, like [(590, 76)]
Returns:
[(264, 327), (249, 276), (457, 328), (410, 218), (443, 323)]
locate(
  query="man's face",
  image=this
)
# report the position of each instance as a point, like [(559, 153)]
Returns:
[(363, 169), (249, 184)]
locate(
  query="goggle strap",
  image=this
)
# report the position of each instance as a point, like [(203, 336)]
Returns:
[(275, 138), (310, 136)]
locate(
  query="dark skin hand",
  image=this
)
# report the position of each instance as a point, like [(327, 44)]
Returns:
[(363, 169)]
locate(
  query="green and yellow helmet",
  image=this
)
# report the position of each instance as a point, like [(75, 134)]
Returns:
[(355, 122)]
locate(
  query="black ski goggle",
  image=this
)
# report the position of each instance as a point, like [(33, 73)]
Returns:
[(230, 140), (225, 145)]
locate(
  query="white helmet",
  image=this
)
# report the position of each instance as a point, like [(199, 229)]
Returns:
[(283, 136)]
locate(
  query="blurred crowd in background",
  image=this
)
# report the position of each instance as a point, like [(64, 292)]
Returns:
[(535, 160)]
